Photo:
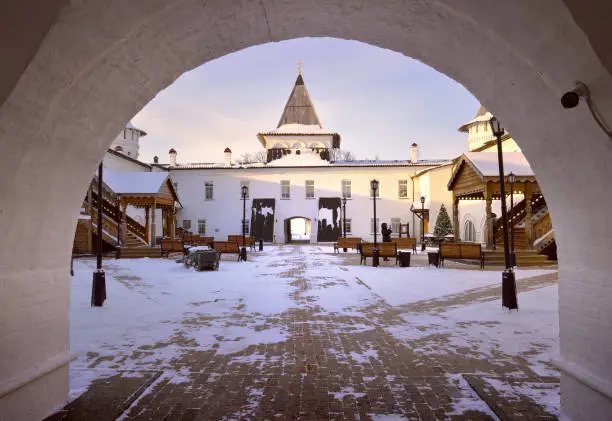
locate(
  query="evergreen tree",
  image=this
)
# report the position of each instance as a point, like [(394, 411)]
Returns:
[(444, 225)]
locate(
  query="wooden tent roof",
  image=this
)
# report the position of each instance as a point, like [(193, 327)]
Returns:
[(141, 188), (475, 169), (299, 108)]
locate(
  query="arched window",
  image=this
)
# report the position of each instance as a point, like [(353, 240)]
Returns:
[(469, 231)]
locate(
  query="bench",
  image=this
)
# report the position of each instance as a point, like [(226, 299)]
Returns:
[(384, 250), (169, 245), (227, 247), (198, 240), (347, 243), (457, 250), (250, 241), (405, 243)]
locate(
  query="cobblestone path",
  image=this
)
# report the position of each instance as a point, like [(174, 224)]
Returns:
[(332, 366)]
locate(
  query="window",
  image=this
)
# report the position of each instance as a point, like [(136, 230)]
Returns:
[(246, 227), (469, 231), (245, 183), (346, 188), (285, 189), (209, 190), (374, 224), (201, 226), (348, 225), (395, 225), (403, 189), (309, 189), (377, 191), (187, 224)]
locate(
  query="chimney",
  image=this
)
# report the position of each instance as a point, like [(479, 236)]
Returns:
[(228, 157), (172, 154), (414, 153), (156, 159)]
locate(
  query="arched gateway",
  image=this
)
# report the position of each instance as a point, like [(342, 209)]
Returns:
[(73, 73)]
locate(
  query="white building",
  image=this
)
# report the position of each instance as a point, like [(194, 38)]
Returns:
[(297, 193)]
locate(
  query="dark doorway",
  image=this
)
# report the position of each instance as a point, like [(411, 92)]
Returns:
[(262, 219)]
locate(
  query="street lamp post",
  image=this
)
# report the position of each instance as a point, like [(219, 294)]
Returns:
[(508, 282), (422, 223), (243, 250), (98, 287), (512, 180), (374, 186), (344, 220)]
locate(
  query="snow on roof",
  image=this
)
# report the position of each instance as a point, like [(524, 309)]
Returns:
[(295, 128), (131, 126), (302, 160), (294, 161), (134, 182), (514, 162), (481, 115), (390, 163)]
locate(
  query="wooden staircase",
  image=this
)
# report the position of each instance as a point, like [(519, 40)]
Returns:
[(134, 235), (138, 252), (542, 226), (520, 239), (523, 258)]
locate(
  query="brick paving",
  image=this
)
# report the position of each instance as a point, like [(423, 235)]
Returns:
[(336, 366)]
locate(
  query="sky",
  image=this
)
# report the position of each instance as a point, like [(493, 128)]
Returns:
[(379, 101)]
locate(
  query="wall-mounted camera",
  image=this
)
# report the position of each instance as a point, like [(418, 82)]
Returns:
[(572, 98)]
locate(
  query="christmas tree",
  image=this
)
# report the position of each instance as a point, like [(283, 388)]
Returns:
[(444, 225)]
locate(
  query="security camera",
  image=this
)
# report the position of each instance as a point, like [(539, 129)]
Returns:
[(572, 98)]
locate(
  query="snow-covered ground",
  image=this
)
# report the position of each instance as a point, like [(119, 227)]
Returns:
[(154, 303)]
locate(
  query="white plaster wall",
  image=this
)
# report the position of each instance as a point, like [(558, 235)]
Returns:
[(223, 214), (92, 71), (117, 163)]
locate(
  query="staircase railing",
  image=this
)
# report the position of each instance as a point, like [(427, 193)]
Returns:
[(112, 211), (517, 214)]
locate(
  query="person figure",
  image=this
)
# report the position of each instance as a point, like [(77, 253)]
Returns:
[(386, 236)]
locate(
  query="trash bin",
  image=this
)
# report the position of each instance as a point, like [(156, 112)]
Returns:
[(404, 258), (433, 258)]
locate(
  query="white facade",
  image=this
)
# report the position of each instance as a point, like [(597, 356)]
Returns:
[(223, 213)]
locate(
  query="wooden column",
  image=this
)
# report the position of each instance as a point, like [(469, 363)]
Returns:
[(152, 238), (456, 227), (147, 225), (489, 216), (123, 222), (528, 192), (164, 218), (173, 222)]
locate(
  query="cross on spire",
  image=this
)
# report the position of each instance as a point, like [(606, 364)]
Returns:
[(299, 63)]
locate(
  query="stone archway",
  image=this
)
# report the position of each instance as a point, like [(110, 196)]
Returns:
[(82, 69), (298, 229)]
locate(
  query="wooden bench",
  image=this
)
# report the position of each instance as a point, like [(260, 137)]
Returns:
[(198, 240), (457, 250), (347, 243), (250, 241), (405, 243), (227, 247), (384, 250), (169, 245)]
